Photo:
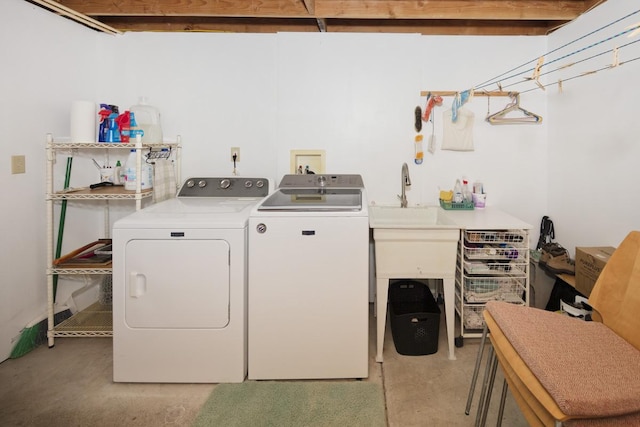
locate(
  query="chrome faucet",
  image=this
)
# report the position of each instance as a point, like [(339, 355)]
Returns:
[(406, 181)]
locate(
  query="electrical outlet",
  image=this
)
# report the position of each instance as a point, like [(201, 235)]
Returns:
[(18, 164), (236, 151)]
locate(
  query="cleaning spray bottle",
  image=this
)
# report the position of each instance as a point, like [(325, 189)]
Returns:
[(466, 192), (113, 133)]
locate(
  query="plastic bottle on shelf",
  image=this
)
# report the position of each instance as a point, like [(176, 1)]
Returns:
[(118, 175), (131, 174), (130, 171), (113, 132), (147, 176), (148, 119), (134, 129), (457, 192), (466, 192)]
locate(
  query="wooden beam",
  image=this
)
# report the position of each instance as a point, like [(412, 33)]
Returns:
[(215, 25), (368, 9), (273, 25), (443, 27), (427, 17), (452, 9), (310, 5)]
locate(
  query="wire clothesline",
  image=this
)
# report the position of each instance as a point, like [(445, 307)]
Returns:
[(575, 63), (497, 79), (587, 73), (627, 31)]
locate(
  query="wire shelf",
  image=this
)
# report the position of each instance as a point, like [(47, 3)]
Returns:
[(108, 145), (101, 193), (96, 320), (516, 237), (501, 251)]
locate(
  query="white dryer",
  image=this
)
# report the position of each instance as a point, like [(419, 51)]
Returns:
[(180, 285), (309, 280)]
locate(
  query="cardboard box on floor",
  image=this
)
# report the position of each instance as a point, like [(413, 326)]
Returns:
[(589, 264)]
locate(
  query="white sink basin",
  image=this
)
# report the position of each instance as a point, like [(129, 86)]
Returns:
[(423, 217)]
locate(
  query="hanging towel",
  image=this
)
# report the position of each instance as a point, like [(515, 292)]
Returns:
[(164, 180), (458, 101), (458, 136)]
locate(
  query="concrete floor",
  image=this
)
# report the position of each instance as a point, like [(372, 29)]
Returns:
[(71, 385)]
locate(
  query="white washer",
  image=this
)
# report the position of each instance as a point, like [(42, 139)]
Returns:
[(309, 280), (180, 283)]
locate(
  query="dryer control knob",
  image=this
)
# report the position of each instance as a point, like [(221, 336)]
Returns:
[(248, 184), (260, 184), (261, 228), (202, 183), (190, 183), (225, 183), (322, 181)]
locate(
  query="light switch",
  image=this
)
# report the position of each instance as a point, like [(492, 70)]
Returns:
[(18, 164)]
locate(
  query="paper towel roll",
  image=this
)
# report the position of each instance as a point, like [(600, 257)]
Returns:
[(83, 121)]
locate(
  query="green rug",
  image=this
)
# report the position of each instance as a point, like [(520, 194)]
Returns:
[(294, 404)]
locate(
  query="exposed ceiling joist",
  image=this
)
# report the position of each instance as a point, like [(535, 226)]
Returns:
[(447, 17)]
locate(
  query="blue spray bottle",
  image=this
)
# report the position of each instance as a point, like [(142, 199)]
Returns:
[(113, 133)]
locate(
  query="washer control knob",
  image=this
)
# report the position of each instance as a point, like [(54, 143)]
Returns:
[(202, 183), (261, 228), (322, 181), (225, 183), (248, 184), (190, 183), (260, 184)]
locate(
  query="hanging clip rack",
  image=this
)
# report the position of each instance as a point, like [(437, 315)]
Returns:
[(163, 153)]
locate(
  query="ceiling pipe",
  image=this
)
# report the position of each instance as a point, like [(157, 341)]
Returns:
[(322, 25)]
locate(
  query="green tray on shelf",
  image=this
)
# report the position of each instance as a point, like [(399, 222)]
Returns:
[(451, 206)]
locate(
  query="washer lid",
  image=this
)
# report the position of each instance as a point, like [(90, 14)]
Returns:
[(213, 212), (309, 199)]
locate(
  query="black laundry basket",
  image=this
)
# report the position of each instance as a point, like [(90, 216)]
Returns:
[(415, 318)]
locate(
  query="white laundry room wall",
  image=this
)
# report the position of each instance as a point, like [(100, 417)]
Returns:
[(47, 62), (350, 95), (594, 129)]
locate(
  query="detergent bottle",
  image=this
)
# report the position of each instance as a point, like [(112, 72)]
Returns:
[(148, 119), (130, 169)]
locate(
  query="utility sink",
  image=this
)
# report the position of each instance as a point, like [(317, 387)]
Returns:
[(414, 217), (419, 242)]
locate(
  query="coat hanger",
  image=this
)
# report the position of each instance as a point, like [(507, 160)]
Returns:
[(524, 117)]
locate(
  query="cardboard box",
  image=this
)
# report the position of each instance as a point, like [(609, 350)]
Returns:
[(589, 264)]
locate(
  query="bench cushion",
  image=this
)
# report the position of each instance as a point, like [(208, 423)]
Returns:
[(588, 370)]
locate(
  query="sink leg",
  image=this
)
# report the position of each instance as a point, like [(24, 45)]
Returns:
[(382, 289), (449, 308)]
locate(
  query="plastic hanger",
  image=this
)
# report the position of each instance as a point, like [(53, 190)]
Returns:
[(523, 117)]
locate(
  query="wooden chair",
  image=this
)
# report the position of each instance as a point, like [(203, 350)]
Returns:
[(565, 371)]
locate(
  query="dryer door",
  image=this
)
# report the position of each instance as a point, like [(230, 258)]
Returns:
[(161, 292)]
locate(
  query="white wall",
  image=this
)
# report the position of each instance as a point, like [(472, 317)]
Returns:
[(352, 95), (594, 128), (47, 62)]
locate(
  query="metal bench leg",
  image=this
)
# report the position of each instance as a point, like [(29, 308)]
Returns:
[(476, 370), (492, 377), (485, 386), (503, 398)]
